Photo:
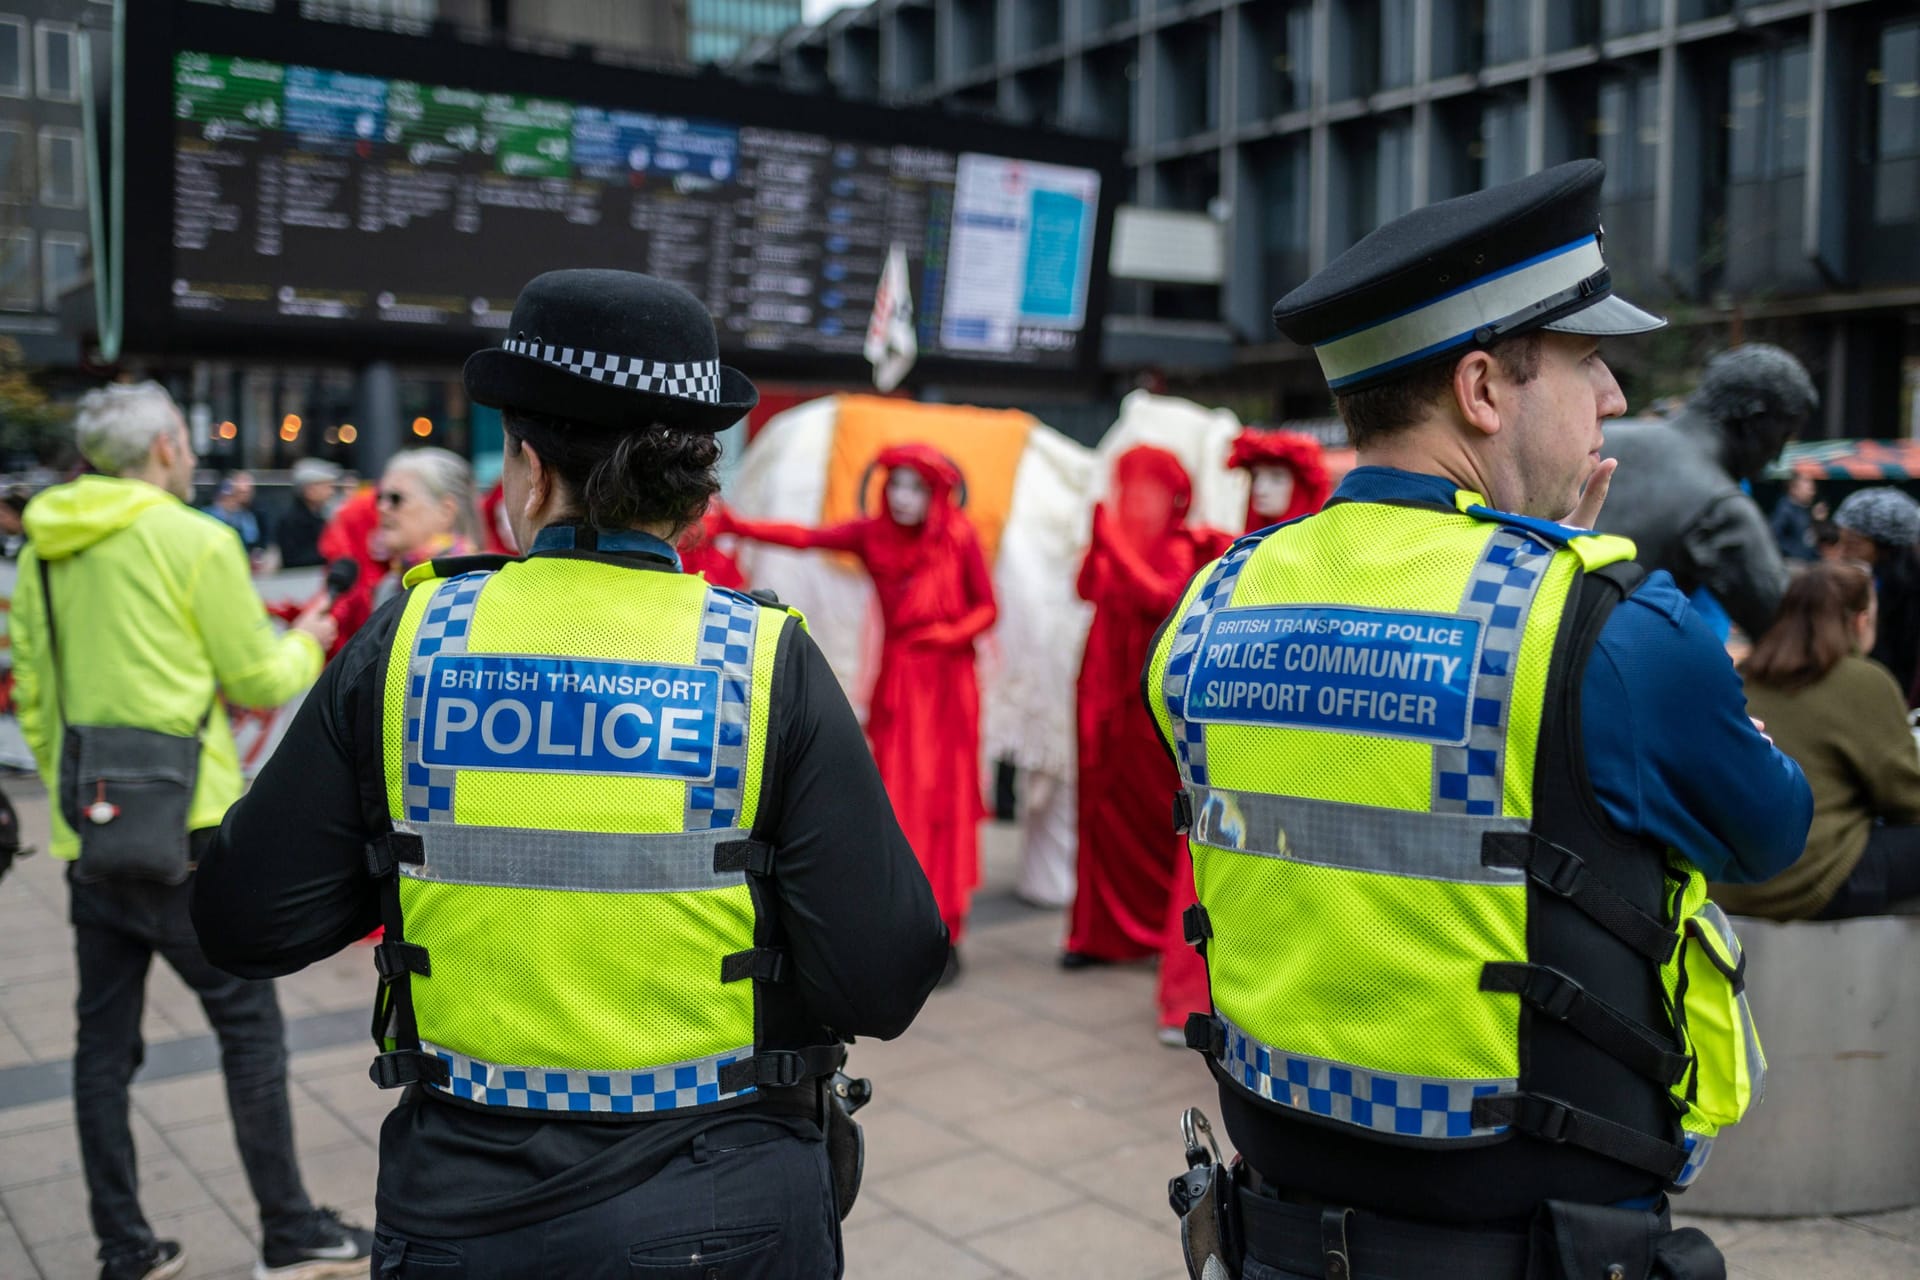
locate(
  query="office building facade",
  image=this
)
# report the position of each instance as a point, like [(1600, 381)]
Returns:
[(1763, 158)]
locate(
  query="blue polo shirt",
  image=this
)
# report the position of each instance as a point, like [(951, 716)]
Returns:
[(1670, 750)]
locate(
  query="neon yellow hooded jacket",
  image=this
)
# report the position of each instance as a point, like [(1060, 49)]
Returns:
[(155, 606)]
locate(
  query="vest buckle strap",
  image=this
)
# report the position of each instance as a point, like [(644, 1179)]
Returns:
[(403, 1067), (782, 1068), (1196, 925), (1556, 996), (388, 850), (394, 959), (1207, 1033), (762, 964), (1550, 1120), (752, 856), (1182, 813), (1564, 874)]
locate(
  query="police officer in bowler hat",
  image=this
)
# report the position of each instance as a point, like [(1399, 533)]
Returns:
[(1453, 770), (638, 875)]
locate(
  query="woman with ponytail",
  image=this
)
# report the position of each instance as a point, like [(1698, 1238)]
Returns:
[(1843, 718), (936, 599)]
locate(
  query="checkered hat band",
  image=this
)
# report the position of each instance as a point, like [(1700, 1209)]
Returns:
[(697, 380), (1380, 1101), (1451, 319)]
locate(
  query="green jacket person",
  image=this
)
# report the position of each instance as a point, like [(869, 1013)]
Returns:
[(638, 875)]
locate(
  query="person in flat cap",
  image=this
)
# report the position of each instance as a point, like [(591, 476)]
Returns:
[(638, 876), (1880, 528), (1454, 769), (1679, 493), (316, 492)]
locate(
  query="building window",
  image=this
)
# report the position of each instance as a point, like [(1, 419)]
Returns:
[(1629, 129), (1503, 142), (62, 261), (57, 52), (1396, 43), (19, 287), (1894, 81), (1768, 106), (16, 165), (13, 57), (1509, 30), (62, 185), (1626, 17)]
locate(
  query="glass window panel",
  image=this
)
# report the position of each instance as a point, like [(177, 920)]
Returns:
[(19, 286), (1646, 134), (1747, 119), (1503, 138), (1396, 43), (61, 258), (1895, 84), (60, 179), (1509, 30), (16, 165), (59, 63), (13, 57), (1393, 181), (1794, 96)]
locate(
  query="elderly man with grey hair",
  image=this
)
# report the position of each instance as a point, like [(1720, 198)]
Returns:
[(1880, 528), (133, 611), (1677, 493)]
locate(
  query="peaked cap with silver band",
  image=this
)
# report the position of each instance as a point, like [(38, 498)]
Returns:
[(1460, 274), (613, 349)]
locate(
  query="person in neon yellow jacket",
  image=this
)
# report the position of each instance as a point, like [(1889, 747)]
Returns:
[(156, 608), (156, 614)]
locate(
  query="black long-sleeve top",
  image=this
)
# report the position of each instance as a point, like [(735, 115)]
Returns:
[(286, 884)]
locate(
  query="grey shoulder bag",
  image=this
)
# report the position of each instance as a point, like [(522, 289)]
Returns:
[(126, 792)]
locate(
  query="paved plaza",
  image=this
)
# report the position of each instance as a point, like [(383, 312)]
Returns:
[(1024, 1127)]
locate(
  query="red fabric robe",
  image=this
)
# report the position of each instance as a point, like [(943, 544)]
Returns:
[(923, 720), (1136, 569), (1183, 972), (699, 555)]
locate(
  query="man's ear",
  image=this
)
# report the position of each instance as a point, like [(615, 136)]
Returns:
[(1477, 388)]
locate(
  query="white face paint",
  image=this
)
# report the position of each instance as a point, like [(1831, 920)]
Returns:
[(1272, 491), (907, 496)]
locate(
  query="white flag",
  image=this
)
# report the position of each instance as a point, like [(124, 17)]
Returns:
[(891, 345)]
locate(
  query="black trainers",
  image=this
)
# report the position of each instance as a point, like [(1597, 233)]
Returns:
[(164, 1260), (324, 1246)]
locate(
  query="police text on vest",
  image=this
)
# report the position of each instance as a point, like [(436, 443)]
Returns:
[(1352, 670), (568, 715)]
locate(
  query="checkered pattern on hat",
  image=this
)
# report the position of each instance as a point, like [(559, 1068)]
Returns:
[(694, 380), (1190, 740), (1471, 779), (427, 792), (727, 633), (672, 1087), (1406, 1106)]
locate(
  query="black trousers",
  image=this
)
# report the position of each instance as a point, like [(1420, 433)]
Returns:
[(119, 926), (759, 1211), (1888, 874)]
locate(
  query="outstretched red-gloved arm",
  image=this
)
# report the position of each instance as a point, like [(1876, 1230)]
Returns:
[(832, 537)]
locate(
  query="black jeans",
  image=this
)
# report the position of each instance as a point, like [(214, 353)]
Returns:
[(762, 1211), (119, 925), (1887, 874)]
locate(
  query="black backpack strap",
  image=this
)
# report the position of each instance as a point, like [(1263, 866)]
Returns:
[(1551, 1120), (397, 960), (1554, 995)]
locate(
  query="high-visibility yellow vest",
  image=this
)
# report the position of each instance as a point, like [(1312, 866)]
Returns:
[(1419, 926), (574, 754)]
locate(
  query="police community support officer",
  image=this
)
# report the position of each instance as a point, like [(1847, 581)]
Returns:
[(1453, 772), (636, 868)]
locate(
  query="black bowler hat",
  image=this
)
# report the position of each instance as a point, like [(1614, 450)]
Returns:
[(613, 348), (1460, 274)]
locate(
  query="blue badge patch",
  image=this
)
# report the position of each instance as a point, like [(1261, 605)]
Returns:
[(1394, 675), (570, 715)]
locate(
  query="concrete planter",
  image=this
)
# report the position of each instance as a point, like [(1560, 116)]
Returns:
[(1839, 1128)]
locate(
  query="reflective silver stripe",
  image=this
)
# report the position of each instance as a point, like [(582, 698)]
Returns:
[(1409, 1106), (1472, 779), (1358, 837), (588, 861), (676, 1086)]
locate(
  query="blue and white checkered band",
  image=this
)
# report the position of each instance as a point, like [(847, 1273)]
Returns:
[(674, 1087), (1472, 779), (1381, 1101), (1699, 1151), (428, 792), (1452, 319), (1190, 739), (696, 380), (727, 636)]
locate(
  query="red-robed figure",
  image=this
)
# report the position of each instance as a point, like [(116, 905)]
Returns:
[(1289, 480), (1141, 557), (923, 720)]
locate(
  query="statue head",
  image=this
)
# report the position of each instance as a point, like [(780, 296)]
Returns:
[(1756, 397)]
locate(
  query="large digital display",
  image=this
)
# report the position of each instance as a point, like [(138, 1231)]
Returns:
[(307, 199)]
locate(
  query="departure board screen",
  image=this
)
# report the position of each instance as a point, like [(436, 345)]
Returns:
[(323, 198)]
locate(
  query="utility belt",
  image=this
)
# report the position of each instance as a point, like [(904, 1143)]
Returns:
[(1232, 1214)]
